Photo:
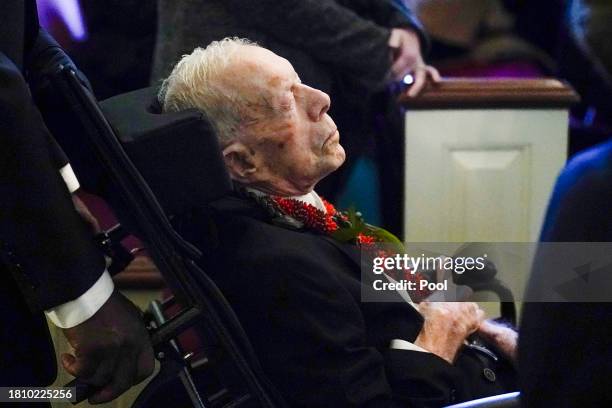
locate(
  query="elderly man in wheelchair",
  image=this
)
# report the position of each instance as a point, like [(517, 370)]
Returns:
[(296, 288)]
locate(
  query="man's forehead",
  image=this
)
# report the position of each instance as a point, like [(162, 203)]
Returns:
[(264, 65)]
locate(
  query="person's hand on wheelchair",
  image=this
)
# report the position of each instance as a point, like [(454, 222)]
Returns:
[(447, 325), (112, 349), (503, 338)]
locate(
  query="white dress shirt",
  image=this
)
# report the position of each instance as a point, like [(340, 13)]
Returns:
[(76, 311)]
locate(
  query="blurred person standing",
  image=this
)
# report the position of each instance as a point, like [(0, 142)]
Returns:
[(350, 50), (565, 355)]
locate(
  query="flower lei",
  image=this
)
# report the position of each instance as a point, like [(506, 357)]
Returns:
[(310, 216), (343, 226)]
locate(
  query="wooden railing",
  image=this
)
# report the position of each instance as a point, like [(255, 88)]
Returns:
[(457, 93)]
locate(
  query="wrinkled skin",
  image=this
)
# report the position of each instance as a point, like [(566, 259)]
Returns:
[(447, 325), (287, 142)]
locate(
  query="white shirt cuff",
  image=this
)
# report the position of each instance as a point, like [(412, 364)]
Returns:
[(82, 308), (400, 344), (69, 178)]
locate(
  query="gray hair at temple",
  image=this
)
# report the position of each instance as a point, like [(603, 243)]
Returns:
[(194, 83)]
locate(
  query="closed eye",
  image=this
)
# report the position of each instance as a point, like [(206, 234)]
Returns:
[(288, 101), (287, 104)]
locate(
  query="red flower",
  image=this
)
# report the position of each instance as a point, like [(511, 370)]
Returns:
[(363, 239), (307, 214), (329, 207), (330, 226)]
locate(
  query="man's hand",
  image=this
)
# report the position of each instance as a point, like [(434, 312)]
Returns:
[(112, 350), (501, 337), (407, 59), (447, 325)]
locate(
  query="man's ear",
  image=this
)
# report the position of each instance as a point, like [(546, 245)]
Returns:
[(240, 162)]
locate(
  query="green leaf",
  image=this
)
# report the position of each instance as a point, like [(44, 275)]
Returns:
[(358, 225), (385, 236)]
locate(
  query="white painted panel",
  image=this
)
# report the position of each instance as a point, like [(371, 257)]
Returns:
[(488, 191), (481, 175)]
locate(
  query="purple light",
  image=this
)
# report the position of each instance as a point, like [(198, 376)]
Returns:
[(68, 11), (479, 402)]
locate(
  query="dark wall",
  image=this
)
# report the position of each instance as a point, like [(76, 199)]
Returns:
[(118, 53)]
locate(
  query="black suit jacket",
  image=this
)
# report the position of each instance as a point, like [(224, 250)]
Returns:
[(47, 253), (298, 296), (565, 351)]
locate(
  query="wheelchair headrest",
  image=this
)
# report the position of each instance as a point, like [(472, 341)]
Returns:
[(177, 153)]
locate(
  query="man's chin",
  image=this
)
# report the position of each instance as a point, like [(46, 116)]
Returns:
[(340, 156), (336, 161)]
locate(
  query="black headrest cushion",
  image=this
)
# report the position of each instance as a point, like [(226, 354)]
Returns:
[(177, 153)]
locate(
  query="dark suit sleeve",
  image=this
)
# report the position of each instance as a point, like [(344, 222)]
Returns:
[(43, 56), (330, 32), (312, 332), (58, 157), (35, 53), (51, 252)]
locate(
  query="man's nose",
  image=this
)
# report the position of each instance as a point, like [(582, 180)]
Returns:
[(319, 104)]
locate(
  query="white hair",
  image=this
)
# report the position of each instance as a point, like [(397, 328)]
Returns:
[(195, 83)]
